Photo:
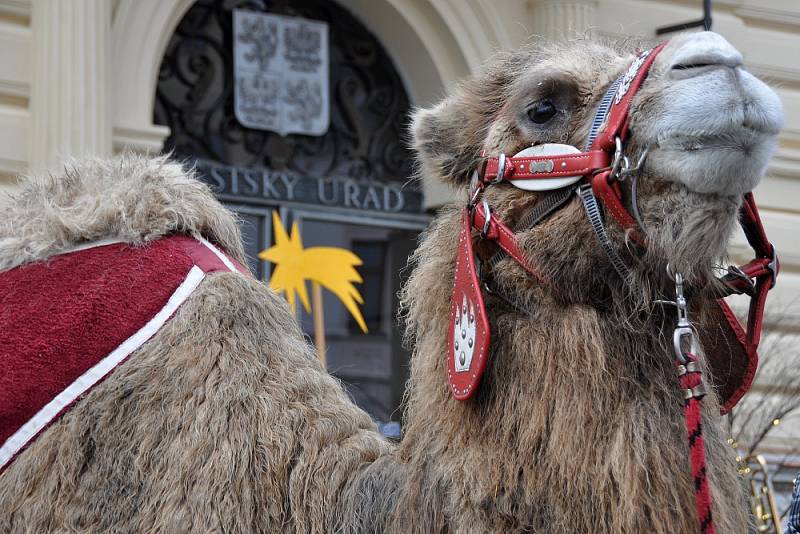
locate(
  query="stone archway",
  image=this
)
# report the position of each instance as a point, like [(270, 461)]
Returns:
[(430, 47), (368, 102)]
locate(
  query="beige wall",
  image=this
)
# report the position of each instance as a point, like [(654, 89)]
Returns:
[(433, 43)]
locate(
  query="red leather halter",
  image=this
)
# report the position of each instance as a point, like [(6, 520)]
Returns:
[(597, 165), (470, 332)]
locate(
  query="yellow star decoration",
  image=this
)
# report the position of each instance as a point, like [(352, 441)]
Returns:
[(331, 267)]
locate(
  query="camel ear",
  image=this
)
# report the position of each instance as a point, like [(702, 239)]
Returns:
[(449, 137), (442, 140)]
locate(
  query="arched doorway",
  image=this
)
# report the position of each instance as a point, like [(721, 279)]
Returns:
[(348, 187)]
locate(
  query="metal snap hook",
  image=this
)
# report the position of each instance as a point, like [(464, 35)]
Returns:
[(684, 340), (684, 337), (627, 169)]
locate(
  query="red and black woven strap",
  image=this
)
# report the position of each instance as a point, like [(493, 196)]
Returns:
[(691, 381)]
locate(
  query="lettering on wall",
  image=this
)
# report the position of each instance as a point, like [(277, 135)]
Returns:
[(264, 185)]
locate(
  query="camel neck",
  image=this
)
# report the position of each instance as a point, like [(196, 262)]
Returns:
[(579, 394)]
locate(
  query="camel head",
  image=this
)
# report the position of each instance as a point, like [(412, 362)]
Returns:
[(580, 381), (708, 128)]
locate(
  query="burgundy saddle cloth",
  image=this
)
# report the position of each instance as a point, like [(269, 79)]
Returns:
[(67, 322)]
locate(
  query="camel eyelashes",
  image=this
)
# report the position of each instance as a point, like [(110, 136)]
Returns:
[(542, 112)]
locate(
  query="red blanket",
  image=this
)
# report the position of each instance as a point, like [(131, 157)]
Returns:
[(67, 322)]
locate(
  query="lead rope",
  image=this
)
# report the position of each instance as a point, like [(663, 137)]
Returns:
[(691, 382), (689, 373)]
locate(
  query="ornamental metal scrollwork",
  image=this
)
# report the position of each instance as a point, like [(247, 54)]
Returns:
[(369, 105)]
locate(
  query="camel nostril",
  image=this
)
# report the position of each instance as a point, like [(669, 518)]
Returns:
[(691, 69), (685, 66), (702, 53), (699, 64)]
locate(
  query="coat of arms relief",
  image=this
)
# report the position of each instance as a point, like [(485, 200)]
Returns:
[(281, 73)]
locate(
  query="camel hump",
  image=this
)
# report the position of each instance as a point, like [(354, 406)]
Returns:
[(222, 419), (130, 198), (206, 427)]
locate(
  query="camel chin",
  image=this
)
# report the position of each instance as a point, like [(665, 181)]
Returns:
[(725, 164), (711, 125)]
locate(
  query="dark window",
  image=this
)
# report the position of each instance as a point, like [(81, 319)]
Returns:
[(373, 254)]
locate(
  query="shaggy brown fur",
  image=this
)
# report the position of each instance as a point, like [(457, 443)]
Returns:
[(224, 420)]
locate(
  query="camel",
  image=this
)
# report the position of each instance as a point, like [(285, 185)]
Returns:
[(224, 420)]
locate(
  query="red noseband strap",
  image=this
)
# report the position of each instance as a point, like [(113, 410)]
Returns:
[(533, 167)]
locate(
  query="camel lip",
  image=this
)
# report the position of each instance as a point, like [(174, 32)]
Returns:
[(743, 138), (724, 164)]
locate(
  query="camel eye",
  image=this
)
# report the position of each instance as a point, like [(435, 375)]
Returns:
[(542, 112)]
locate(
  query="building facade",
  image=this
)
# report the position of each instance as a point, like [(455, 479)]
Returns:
[(101, 76)]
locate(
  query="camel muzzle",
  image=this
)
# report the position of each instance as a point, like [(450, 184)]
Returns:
[(712, 126)]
